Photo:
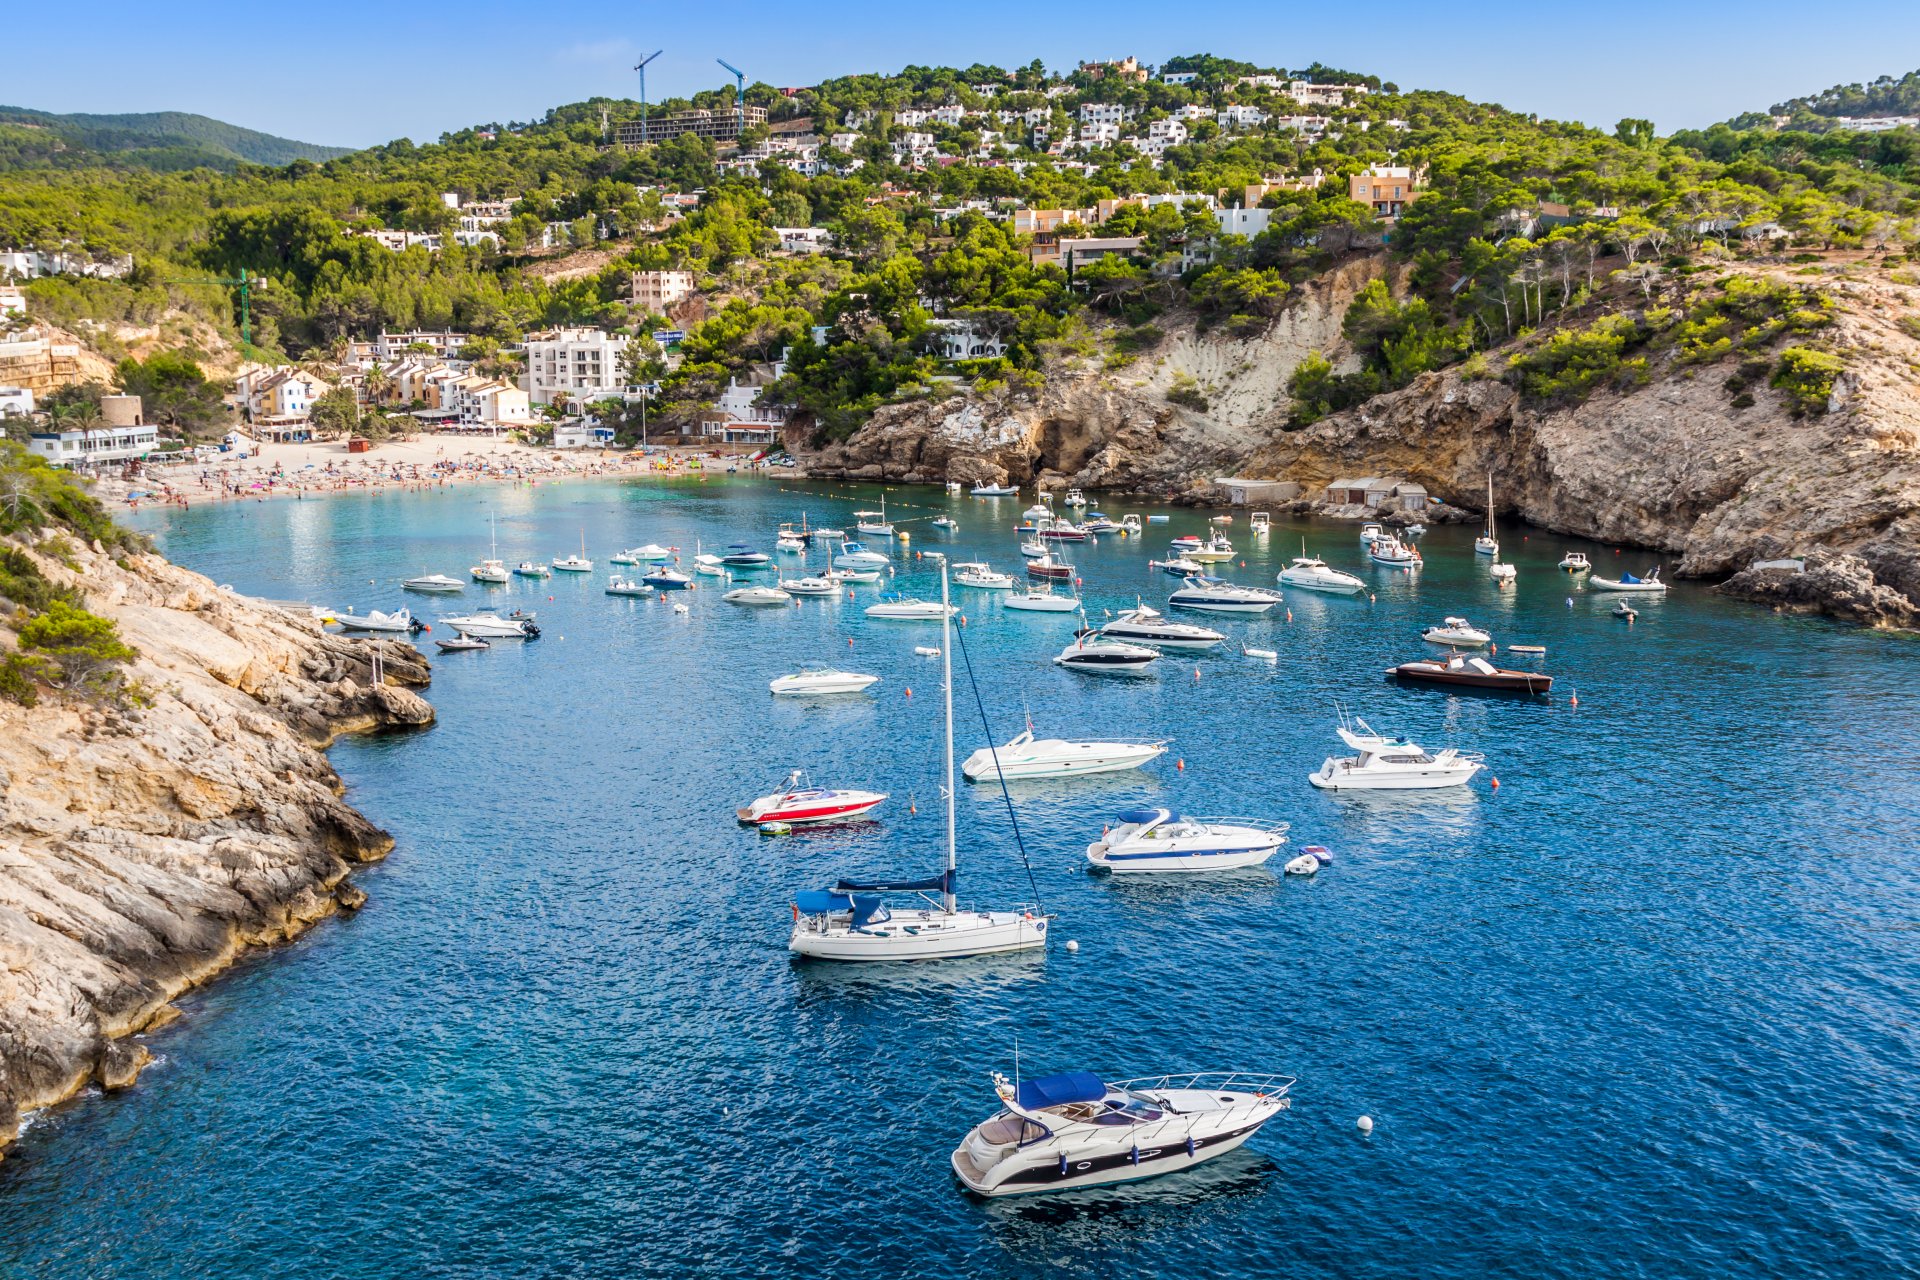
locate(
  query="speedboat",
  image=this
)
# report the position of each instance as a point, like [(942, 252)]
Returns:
[(1392, 764), (1260, 524), (1473, 672), (652, 553), (1154, 840), (812, 585), (1095, 523), (790, 546), (1311, 573), (1061, 1132), (434, 584), (1039, 598), (946, 522), (1216, 550), (1144, 624), (1105, 657), (619, 586), (1185, 542), (487, 625), (1502, 573), (994, 491), (1370, 533), (1390, 551), (461, 644), (530, 569), (795, 803), (741, 556), (906, 609), (1457, 631), (1575, 562), (1061, 531), (1212, 595), (979, 574), (757, 595), (1048, 568), (400, 622), (1130, 525), (1179, 566), (857, 575), (1075, 498), (663, 578), (1627, 582), (1030, 757), (854, 555), (818, 680), (1414, 530)]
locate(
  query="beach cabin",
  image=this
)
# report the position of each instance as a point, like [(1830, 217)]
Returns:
[(1413, 497), (1353, 493)]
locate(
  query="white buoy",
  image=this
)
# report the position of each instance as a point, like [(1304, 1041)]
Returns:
[(1073, 944), (1364, 1124)]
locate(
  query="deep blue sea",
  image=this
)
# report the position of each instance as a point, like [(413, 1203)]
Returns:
[(1646, 1010)]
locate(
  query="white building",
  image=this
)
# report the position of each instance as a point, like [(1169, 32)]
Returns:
[(912, 117), (579, 364), (1194, 111), (15, 402), (284, 392), (1104, 113), (443, 343), (1261, 81), (947, 115), (1323, 95), (1093, 135), (655, 291), (1170, 132), (100, 444), (485, 402), (804, 239), (13, 300), (33, 264), (1179, 77), (960, 340), (843, 141), (1240, 117), (1244, 222)]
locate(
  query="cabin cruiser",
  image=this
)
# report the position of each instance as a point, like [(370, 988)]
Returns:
[(434, 584), (1214, 595), (795, 803), (827, 584), (1030, 518), (1105, 657), (488, 625), (530, 569), (757, 595), (1179, 566), (1370, 533), (1627, 582), (789, 546), (1457, 631), (399, 622), (1075, 498), (571, 563), (619, 586), (1260, 524), (1392, 764), (1575, 562), (492, 572), (1049, 568), (1311, 573), (741, 556), (1144, 624), (1061, 1132), (1390, 551), (977, 573), (994, 491), (1039, 598), (906, 609), (663, 578), (651, 553), (1156, 840), (1130, 524), (1217, 549), (1030, 757), (819, 680), (1473, 672), (854, 555)]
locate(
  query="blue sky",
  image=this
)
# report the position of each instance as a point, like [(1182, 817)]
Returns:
[(354, 72)]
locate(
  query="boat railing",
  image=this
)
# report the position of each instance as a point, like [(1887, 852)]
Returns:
[(1268, 825), (1262, 1085)]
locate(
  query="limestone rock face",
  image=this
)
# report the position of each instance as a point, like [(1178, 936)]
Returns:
[(143, 850)]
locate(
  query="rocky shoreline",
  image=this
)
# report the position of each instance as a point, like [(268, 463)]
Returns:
[(143, 850)]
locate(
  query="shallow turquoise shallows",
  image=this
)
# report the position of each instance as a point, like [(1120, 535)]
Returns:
[(1646, 1010)]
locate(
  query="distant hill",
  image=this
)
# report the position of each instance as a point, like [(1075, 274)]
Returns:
[(1887, 96), (166, 140)]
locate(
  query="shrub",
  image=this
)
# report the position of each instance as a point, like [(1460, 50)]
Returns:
[(20, 676), (1185, 391), (83, 647), (1807, 377), (1572, 362), (1139, 338)]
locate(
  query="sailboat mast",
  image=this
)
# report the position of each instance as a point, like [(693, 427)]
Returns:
[(946, 670)]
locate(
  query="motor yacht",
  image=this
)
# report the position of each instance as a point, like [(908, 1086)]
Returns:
[(1311, 573), (796, 803), (1030, 757), (810, 681), (1650, 584), (1213, 595), (1575, 562), (531, 569), (1395, 554), (827, 584), (1075, 498), (907, 609), (619, 586), (1179, 567), (740, 556), (434, 584), (1144, 624), (1039, 598), (854, 555), (663, 578), (1458, 632), (757, 596), (980, 575), (1048, 568), (790, 546), (1216, 550), (1105, 657), (400, 622), (1392, 764), (994, 491), (1161, 840), (1061, 1132), (1470, 671), (488, 625)]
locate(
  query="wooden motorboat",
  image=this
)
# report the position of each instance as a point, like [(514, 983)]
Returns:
[(1471, 672)]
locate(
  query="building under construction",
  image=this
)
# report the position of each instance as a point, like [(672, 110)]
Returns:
[(718, 126)]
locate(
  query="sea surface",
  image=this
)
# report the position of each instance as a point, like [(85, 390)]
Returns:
[(1646, 1009)]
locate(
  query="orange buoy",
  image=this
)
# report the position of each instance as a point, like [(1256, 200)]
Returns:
[(849, 638), (1181, 765), (1574, 701), (1289, 615), (1196, 673), (909, 693), (1496, 784)]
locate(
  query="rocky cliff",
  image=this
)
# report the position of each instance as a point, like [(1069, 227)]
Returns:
[(142, 850)]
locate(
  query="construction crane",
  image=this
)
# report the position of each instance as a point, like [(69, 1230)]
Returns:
[(739, 96), (641, 67), (246, 283)]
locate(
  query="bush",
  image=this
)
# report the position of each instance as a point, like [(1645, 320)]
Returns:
[(1807, 377), (1185, 391), (83, 647), (20, 676), (1139, 338), (1572, 362)]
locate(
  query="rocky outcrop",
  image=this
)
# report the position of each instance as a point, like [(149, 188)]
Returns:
[(142, 850), (1842, 586)]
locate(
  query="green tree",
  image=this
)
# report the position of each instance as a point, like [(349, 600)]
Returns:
[(337, 413)]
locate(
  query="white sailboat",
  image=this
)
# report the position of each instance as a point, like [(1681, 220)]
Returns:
[(1486, 544), (852, 921), (492, 570)]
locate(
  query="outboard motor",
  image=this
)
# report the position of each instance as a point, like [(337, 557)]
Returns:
[(415, 627), (529, 630)]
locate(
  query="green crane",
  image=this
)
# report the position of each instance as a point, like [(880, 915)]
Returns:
[(246, 282)]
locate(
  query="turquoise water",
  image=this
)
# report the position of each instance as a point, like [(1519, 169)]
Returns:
[(1647, 1010)]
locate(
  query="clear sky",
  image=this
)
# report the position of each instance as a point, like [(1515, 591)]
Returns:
[(357, 72)]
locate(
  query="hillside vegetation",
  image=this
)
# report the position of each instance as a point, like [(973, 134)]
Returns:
[(164, 140)]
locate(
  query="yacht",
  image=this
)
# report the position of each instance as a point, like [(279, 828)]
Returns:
[(909, 610), (1179, 567), (874, 522), (796, 803), (854, 555), (1039, 598), (1156, 840), (980, 575), (1061, 531), (757, 595), (488, 625), (1144, 624), (492, 570), (1046, 567), (1311, 573), (1212, 595), (1075, 498), (994, 491), (1470, 671), (1216, 550), (434, 584), (1063, 1132), (741, 556), (1395, 554), (809, 681), (853, 921), (400, 622), (532, 569), (1105, 657), (619, 586), (663, 578), (1486, 544), (789, 546), (1650, 584), (1392, 764), (1575, 562), (1030, 757), (1458, 632), (827, 584)]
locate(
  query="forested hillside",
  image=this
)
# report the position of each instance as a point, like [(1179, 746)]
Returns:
[(164, 140)]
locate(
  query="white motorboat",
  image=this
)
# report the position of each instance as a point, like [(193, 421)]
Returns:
[(854, 555), (1216, 550), (857, 575), (1575, 562), (488, 625), (906, 609), (1457, 632), (1033, 515), (1369, 532), (790, 546), (532, 569), (946, 522), (663, 578), (1260, 524), (619, 586), (994, 491), (1039, 598), (796, 803), (740, 556), (1033, 549), (400, 622), (1144, 624), (492, 570), (1650, 584), (1311, 573), (1049, 569), (461, 644), (1105, 657), (1392, 764), (1157, 840), (1179, 566), (827, 584), (980, 575), (434, 584), (1130, 524), (1395, 554), (1184, 543), (1030, 757), (1502, 573), (809, 681), (1487, 544), (1060, 531), (1095, 523), (1061, 1132), (1212, 595), (571, 563), (874, 522), (757, 596), (1075, 498), (705, 563), (853, 921), (651, 553), (1414, 530)]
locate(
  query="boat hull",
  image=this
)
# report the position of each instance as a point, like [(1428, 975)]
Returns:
[(1039, 1168), (981, 767), (1223, 606), (923, 935), (1330, 587), (1521, 682), (814, 811), (1040, 604), (1178, 863), (1331, 777)]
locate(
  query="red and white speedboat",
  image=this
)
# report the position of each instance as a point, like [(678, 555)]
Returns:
[(796, 802)]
